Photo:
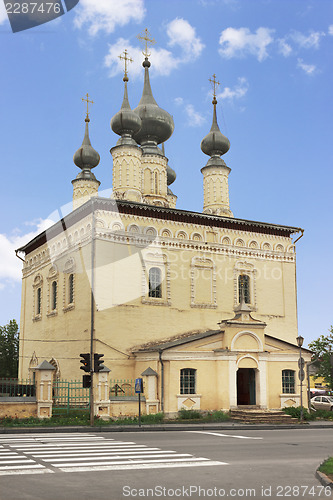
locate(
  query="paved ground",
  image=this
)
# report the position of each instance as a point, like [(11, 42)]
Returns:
[(249, 463)]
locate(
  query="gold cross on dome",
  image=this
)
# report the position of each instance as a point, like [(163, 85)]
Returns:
[(145, 37), (215, 83), (126, 59), (87, 101)]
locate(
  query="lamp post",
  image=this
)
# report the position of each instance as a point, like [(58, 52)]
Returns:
[(300, 341)]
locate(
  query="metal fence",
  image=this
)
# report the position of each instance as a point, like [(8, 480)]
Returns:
[(122, 388), (69, 395), (13, 387)]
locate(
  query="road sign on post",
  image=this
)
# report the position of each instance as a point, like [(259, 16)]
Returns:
[(139, 391), (301, 374)]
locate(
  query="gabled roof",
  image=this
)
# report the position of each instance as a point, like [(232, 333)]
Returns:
[(175, 341)]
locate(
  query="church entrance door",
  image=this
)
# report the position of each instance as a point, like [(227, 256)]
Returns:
[(246, 386)]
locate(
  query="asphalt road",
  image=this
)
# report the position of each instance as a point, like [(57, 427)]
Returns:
[(207, 464)]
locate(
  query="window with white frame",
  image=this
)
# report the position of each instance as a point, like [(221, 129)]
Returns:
[(37, 296), (244, 288)]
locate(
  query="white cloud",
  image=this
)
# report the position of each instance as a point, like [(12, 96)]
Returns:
[(330, 29), (284, 48), (105, 15), (10, 265), (3, 13), (238, 91), (179, 101), (181, 33), (240, 42), (309, 69), (195, 119), (307, 41)]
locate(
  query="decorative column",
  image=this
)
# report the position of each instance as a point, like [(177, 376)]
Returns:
[(44, 379), (232, 381), (150, 384), (261, 388), (101, 394)]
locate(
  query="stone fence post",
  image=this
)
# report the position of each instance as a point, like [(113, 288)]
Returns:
[(101, 394), (150, 384), (44, 380)]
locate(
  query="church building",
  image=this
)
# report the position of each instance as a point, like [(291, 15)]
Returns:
[(201, 305)]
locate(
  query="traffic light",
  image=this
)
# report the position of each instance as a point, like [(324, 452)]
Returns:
[(98, 362), (86, 381), (86, 362)]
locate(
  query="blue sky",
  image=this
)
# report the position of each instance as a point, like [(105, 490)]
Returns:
[(274, 61)]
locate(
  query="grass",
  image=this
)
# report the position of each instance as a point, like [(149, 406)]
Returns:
[(327, 467), (81, 418)]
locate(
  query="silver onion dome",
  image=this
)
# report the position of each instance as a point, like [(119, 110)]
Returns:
[(156, 124), (86, 157), (126, 122), (215, 143)]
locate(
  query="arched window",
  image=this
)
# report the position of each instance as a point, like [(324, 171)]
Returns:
[(39, 301), (71, 289), (288, 382), (54, 296), (155, 280), (187, 381), (244, 288)]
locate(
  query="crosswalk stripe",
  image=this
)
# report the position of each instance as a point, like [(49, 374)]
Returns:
[(74, 445), (12, 472), (37, 466), (101, 454), (117, 457), (166, 465), (120, 462)]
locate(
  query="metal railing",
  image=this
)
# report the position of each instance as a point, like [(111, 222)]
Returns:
[(68, 395), (13, 387), (122, 388)]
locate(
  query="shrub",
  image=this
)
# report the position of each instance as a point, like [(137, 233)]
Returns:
[(217, 416), (295, 412), (184, 414)]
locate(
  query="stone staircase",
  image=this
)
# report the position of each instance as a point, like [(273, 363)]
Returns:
[(255, 415)]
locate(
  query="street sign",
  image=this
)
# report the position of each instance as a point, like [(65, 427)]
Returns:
[(301, 374), (301, 363), (138, 385)]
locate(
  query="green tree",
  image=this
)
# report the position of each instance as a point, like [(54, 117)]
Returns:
[(322, 349), (9, 350)]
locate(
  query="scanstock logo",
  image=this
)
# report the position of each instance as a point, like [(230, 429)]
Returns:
[(26, 14)]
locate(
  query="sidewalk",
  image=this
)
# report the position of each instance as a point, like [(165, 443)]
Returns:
[(221, 426)]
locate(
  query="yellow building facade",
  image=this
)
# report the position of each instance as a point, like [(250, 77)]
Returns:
[(202, 305)]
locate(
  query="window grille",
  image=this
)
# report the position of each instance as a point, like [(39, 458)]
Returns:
[(187, 381), (71, 289), (155, 279), (54, 296), (244, 287), (288, 382), (39, 301)]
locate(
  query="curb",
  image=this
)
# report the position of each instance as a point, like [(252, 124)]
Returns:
[(158, 428), (323, 479)]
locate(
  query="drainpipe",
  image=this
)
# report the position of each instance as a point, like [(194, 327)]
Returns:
[(162, 379), (16, 252)]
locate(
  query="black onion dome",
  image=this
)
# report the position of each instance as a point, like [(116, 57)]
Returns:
[(215, 143), (126, 123), (171, 175), (86, 157), (157, 124)]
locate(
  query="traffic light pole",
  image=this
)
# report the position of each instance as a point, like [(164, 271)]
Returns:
[(92, 315)]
